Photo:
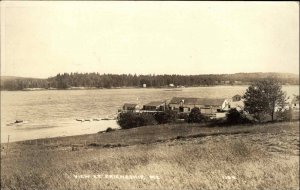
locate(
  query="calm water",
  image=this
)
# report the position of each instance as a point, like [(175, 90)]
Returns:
[(54, 113)]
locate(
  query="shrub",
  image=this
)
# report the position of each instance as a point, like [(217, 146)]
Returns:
[(286, 115), (109, 129), (167, 116), (183, 116), (237, 117), (146, 119), (196, 117), (129, 120)]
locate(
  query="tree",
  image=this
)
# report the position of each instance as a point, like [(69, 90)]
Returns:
[(286, 115), (196, 117), (264, 97), (236, 117), (168, 116), (129, 120)]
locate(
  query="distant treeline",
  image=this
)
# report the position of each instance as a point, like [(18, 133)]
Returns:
[(67, 80)]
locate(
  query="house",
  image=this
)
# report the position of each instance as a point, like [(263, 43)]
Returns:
[(182, 104), (207, 106), (130, 107), (155, 106), (236, 98), (295, 103), (238, 82), (236, 102)]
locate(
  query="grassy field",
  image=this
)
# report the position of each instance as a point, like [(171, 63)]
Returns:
[(179, 156)]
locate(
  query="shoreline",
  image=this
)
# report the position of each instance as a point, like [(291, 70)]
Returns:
[(53, 138), (74, 128), (187, 131), (114, 88)]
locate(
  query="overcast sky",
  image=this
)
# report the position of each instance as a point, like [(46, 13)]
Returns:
[(41, 39)]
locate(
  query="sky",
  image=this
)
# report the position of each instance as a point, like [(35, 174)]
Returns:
[(42, 39)]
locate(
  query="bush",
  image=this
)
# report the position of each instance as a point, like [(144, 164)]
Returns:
[(196, 117), (167, 116), (146, 119), (183, 116), (129, 120), (286, 115), (109, 129), (237, 117)]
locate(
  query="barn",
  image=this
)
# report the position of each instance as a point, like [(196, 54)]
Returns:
[(130, 107), (155, 106)]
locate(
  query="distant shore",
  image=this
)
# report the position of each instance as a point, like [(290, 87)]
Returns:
[(106, 81), (113, 88)]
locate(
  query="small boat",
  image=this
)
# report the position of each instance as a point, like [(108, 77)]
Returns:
[(19, 121), (95, 119), (108, 119), (105, 119), (82, 120)]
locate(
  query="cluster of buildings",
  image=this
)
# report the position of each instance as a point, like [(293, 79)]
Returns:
[(212, 107)]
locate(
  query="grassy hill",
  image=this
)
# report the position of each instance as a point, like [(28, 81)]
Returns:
[(189, 156)]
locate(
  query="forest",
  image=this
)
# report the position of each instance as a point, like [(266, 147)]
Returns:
[(96, 80)]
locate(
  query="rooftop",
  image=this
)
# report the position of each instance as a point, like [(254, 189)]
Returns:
[(130, 104), (155, 103), (197, 101)]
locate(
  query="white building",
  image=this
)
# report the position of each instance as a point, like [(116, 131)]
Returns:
[(236, 102)]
